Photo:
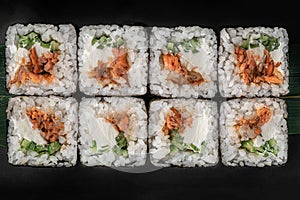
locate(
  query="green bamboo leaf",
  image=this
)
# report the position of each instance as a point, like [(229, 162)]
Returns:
[(294, 70), (3, 90), (4, 96), (293, 108), (3, 123)]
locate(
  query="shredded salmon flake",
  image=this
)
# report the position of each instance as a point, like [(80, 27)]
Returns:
[(173, 121), (255, 123), (172, 63), (119, 120), (251, 72), (50, 125), (107, 72), (37, 69)]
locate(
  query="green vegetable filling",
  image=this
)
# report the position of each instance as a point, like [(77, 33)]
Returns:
[(101, 150), (51, 148), (177, 143), (269, 42), (106, 41), (191, 45), (172, 47), (27, 41), (119, 42), (121, 147), (268, 147)]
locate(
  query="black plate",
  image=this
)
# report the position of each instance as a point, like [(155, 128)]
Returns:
[(218, 182)]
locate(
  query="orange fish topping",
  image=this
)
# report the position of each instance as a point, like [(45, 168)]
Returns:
[(120, 121), (106, 73), (173, 121), (172, 63), (50, 125), (37, 69), (255, 123), (251, 72)]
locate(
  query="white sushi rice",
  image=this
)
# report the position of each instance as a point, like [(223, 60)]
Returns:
[(89, 112), (233, 110), (230, 83), (204, 63), (64, 108), (65, 70), (159, 144), (135, 41)]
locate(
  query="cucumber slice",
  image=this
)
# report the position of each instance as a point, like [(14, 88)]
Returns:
[(54, 147), (25, 144)]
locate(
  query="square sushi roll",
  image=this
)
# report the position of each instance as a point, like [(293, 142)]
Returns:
[(41, 59), (183, 62), (253, 132), (112, 131), (253, 62), (42, 131), (113, 60), (183, 133)]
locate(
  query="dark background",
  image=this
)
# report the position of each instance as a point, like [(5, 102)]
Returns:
[(217, 182)]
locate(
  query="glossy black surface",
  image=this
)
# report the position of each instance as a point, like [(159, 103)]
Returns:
[(217, 182)]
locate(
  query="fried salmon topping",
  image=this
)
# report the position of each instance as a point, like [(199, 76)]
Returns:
[(251, 72), (108, 72), (50, 125), (120, 121), (37, 69), (172, 62), (173, 121), (255, 123)]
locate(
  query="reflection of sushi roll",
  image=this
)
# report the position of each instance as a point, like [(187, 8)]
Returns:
[(183, 62), (253, 62), (42, 131), (41, 59), (113, 131), (254, 132), (183, 133), (113, 60)]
